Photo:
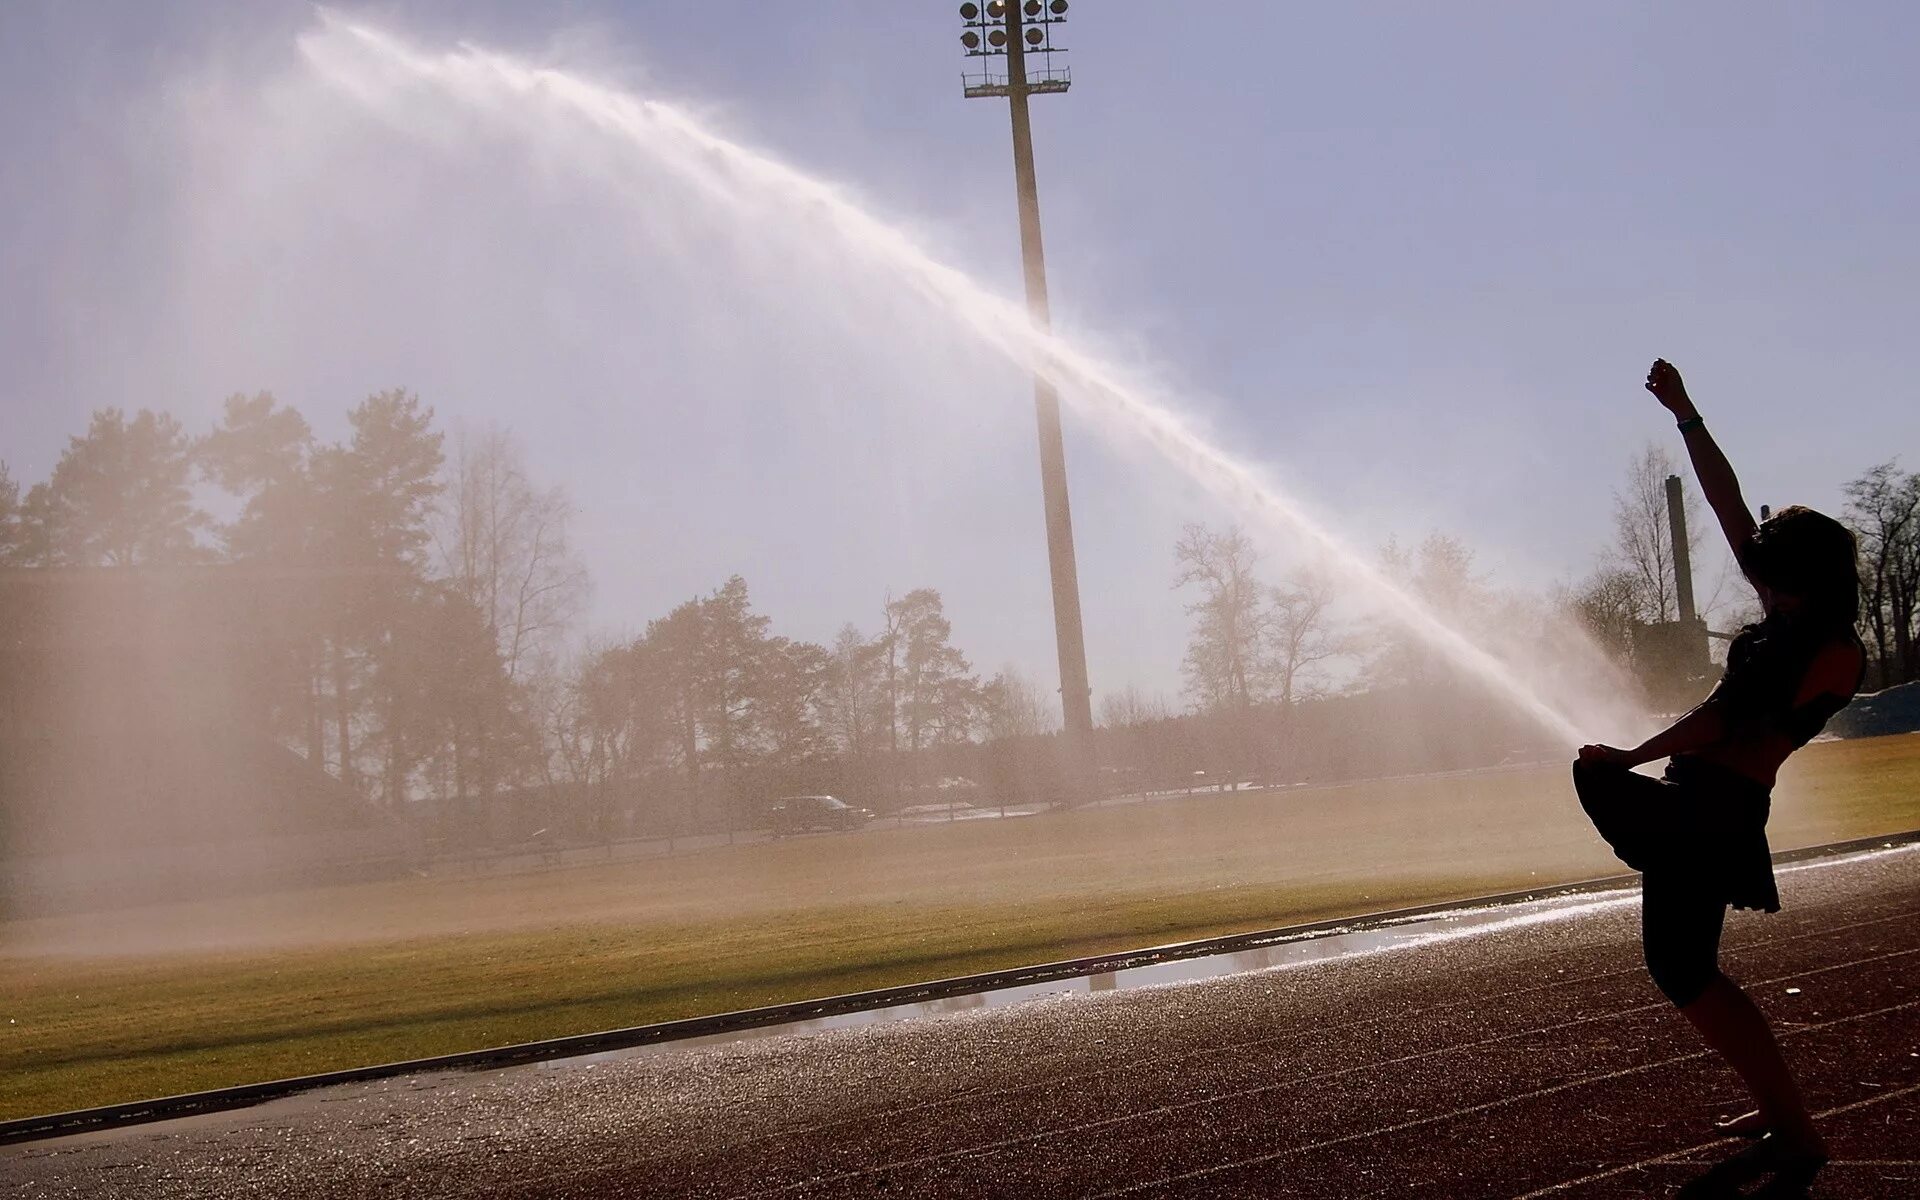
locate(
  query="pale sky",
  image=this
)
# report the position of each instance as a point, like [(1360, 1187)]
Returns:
[(1413, 258)]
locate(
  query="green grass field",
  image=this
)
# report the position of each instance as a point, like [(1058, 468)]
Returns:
[(118, 1006)]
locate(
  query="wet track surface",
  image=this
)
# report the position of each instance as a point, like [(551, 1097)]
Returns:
[(1528, 1058)]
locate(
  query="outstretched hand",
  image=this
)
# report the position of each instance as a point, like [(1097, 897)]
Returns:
[(1664, 381), (1608, 756)]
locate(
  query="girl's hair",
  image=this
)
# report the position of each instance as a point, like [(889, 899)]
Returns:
[(1808, 554)]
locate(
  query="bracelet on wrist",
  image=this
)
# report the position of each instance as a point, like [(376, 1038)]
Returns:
[(1690, 424)]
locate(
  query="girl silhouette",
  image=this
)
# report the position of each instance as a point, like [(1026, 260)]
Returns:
[(1698, 834)]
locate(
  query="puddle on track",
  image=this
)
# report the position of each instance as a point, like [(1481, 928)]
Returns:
[(1283, 952)]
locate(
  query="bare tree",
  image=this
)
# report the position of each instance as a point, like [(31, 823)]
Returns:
[(556, 698), (1224, 662), (500, 544), (1138, 730), (854, 699), (1643, 533), (1017, 707), (1441, 572), (604, 722), (503, 545), (1883, 508), (1130, 708), (1607, 605), (1300, 633)]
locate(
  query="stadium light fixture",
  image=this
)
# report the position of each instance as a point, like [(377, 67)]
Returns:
[(1022, 34)]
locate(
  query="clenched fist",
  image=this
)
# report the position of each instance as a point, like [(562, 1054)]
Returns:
[(1670, 390)]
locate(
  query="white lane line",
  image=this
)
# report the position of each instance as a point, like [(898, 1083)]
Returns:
[(1644, 1163), (978, 1095), (974, 1097), (1840, 860), (1503, 1102), (1298, 1081), (1439, 937)]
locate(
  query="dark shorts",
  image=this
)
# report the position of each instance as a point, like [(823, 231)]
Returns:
[(1700, 822), (1698, 837)]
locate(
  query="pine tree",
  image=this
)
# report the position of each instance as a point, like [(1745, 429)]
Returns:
[(121, 496)]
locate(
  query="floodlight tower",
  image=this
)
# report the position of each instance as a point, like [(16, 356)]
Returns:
[(1014, 30)]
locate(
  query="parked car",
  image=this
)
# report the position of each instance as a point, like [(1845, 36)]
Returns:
[(798, 814)]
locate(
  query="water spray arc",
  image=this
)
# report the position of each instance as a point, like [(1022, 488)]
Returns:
[(377, 69), (997, 31)]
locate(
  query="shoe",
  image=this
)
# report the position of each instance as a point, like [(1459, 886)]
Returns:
[(1791, 1169)]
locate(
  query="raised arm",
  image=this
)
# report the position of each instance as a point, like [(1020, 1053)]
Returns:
[(1710, 466)]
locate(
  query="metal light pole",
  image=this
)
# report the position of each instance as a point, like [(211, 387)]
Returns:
[(1012, 29)]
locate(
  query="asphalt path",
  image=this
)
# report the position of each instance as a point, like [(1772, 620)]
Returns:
[(1526, 1058)]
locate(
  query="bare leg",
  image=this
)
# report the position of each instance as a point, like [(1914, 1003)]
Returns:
[(1731, 1023)]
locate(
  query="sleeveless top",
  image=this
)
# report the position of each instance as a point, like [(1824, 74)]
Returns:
[(1766, 665)]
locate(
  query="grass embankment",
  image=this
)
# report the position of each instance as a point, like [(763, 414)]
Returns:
[(92, 1011)]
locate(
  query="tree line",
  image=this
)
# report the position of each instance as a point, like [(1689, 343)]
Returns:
[(428, 659), (1290, 678), (425, 659), (428, 584), (707, 712)]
